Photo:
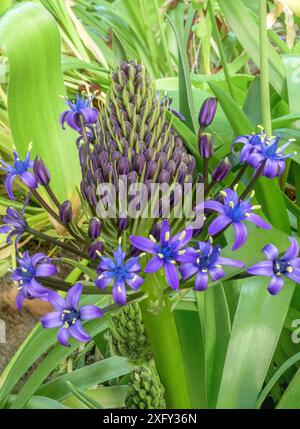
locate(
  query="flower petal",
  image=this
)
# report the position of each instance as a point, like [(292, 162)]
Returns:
[(188, 270), (106, 264), (88, 312), (218, 224), (294, 275), (271, 252), (56, 301), (46, 270), (79, 333), (275, 285), (230, 262), (172, 275), (264, 268), (240, 235), (154, 265), (182, 238), (165, 232), (201, 281), (135, 282), (73, 295), (104, 279), (8, 183), (20, 300), (258, 221), (119, 292), (293, 251), (216, 274), (29, 179), (63, 336), (214, 205), (143, 243), (51, 320)]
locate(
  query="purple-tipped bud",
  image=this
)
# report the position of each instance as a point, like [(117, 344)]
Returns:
[(96, 249), (123, 166), (222, 170), (123, 223), (206, 145), (94, 229), (207, 112), (164, 176), (139, 162), (151, 169), (65, 212), (132, 177), (41, 172)]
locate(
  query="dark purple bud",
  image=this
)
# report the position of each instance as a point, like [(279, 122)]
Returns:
[(138, 163), (123, 223), (191, 165), (108, 172), (182, 172), (171, 167), (149, 154), (41, 172), (65, 212), (206, 145), (123, 166), (132, 177), (155, 231), (222, 170), (177, 156), (116, 156), (94, 229), (96, 249), (103, 157), (207, 112), (151, 169), (163, 177), (161, 159)]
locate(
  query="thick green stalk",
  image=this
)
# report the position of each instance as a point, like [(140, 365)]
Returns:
[(221, 50), (264, 67), (163, 336)]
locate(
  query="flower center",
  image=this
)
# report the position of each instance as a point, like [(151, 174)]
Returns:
[(69, 317), (20, 167), (236, 212), (166, 253), (281, 267), (120, 271)]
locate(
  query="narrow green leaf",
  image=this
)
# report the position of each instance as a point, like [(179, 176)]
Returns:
[(83, 397), (34, 93)]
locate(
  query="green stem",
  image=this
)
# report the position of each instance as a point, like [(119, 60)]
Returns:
[(221, 50), (163, 38), (163, 336), (264, 67)]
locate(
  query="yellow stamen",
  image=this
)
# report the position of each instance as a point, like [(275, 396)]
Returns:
[(278, 274), (198, 260), (167, 236), (182, 235), (235, 187), (66, 325), (152, 238), (252, 194), (223, 193), (120, 240), (67, 311), (218, 266), (100, 277), (231, 204), (142, 254), (257, 207), (181, 252), (160, 255), (289, 269), (98, 253)]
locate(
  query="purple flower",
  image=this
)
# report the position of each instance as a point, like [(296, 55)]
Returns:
[(167, 251), (258, 149), (68, 316), (276, 268), (14, 224), (203, 261), (120, 272), (19, 168), (29, 269), (234, 211), (80, 108)]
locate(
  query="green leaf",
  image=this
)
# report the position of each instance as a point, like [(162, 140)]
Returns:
[(34, 93), (215, 322), (38, 403), (246, 28), (84, 398), (271, 383), (88, 376), (291, 397), (109, 397), (185, 87)]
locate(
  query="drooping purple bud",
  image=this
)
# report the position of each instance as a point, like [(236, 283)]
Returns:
[(151, 169), (139, 162), (155, 231), (171, 167), (191, 165), (65, 212), (123, 166), (96, 249), (132, 177), (164, 177), (206, 145), (222, 170), (161, 159), (41, 172), (123, 223), (149, 154), (94, 229), (182, 170), (207, 112)]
